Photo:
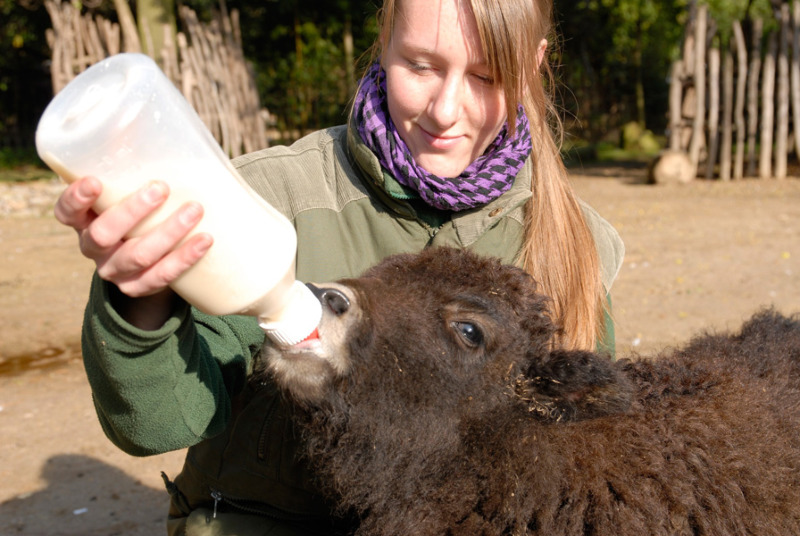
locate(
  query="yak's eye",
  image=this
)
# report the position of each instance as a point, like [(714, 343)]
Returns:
[(471, 333)]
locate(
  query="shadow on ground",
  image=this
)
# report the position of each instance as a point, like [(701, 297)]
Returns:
[(85, 497)]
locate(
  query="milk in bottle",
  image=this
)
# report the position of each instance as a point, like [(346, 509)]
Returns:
[(125, 123)]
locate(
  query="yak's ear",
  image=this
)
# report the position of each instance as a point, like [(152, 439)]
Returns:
[(574, 385)]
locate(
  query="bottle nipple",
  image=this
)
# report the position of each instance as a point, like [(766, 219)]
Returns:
[(299, 319)]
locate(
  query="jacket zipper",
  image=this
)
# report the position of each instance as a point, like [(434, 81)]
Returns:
[(217, 496), (431, 234), (220, 498)]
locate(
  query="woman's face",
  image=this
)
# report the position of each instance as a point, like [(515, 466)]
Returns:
[(440, 92)]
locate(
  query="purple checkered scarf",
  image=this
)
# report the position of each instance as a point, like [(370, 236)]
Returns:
[(485, 179)]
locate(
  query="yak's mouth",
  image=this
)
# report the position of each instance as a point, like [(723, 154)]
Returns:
[(312, 343), (309, 348), (307, 368)]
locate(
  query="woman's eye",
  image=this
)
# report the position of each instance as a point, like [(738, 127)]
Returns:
[(485, 79), (418, 67), (471, 333)]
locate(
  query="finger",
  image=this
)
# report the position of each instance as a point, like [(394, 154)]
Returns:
[(110, 227), (139, 254), (74, 205), (168, 269)]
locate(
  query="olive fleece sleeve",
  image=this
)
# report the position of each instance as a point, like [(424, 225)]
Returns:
[(607, 344), (162, 390)]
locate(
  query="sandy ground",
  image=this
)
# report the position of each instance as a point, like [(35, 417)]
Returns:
[(703, 256)]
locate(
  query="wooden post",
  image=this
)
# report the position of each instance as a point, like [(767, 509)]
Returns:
[(56, 45), (688, 53), (795, 76), (110, 33), (768, 108), (727, 115), (713, 111), (752, 96), (130, 36), (687, 93), (741, 90), (782, 134), (675, 95), (699, 84)]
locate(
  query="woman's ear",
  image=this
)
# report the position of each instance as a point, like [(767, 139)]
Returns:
[(540, 51)]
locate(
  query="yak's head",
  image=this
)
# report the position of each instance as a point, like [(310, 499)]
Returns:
[(443, 328)]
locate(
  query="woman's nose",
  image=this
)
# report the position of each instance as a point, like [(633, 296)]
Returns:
[(333, 299), (445, 104)]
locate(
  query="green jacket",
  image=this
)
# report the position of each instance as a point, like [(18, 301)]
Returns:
[(186, 383)]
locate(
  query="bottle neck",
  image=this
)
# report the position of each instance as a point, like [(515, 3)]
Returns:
[(296, 320)]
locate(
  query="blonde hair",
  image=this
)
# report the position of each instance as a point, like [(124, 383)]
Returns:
[(558, 248)]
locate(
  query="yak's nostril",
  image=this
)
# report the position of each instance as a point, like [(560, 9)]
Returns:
[(333, 299)]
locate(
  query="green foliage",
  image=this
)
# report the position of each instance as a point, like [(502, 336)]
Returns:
[(615, 58), (17, 164), (18, 157), (297, 50), (724, 12), (306, 88), (632, 23), (24, 78)]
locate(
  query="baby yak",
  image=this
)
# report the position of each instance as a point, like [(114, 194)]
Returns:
[(434, 403)]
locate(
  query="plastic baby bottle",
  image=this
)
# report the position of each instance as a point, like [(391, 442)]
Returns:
[(125, 123)]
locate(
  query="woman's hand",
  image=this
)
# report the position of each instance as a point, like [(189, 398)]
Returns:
[(143, 266)]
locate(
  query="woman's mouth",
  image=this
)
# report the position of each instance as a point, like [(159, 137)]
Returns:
[(438, 141)]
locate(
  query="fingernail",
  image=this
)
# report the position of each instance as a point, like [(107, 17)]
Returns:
[(155, 192), (203, 243), (86, 189), (191, 213)]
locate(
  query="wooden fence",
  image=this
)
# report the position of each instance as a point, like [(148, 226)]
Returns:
[(207, 64), (730, 105)]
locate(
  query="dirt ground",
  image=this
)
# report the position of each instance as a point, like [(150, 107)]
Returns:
[(702, 256)]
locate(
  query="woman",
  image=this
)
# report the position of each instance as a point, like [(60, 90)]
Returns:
[(448, 144)]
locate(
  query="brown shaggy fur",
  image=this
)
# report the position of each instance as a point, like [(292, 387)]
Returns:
[(430, 433)]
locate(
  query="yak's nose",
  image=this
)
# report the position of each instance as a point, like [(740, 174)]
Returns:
[(333, 299)]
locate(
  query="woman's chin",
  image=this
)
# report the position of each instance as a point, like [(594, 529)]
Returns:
[(442, 165)]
